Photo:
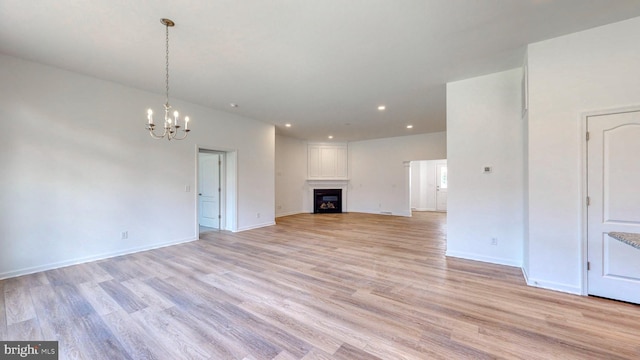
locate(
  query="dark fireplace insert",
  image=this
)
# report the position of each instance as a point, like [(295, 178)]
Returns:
[(327, 201)]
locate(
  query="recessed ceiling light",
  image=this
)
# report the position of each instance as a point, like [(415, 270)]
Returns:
[(233, 105), (287, 125), (409, 126), (381, 107), (330, 136)]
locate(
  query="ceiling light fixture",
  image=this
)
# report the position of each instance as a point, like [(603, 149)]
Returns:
[(381, 107), (330, 136), (409, 126), (171, 126), (287, 125), (233, 105)]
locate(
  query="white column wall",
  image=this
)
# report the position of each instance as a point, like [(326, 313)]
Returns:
[(291, 175), (484, 128)]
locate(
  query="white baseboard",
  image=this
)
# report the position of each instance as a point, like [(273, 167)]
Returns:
[(401, 213), (423, 209), (525, 275), (549, 285), (61, 264), (406, 213), (289, 213), (271, 223), (543, 284), (487, 259)]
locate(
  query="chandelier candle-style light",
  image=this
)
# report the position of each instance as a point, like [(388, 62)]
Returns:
[(171, 123)]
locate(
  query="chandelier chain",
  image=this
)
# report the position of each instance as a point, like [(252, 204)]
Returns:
[(167, 62)]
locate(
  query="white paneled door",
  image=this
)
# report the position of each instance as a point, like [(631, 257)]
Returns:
[(441, 187), (613, 185), (209, 189)]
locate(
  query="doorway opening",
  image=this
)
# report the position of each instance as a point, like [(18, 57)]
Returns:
[(428, 185), (216, 189)]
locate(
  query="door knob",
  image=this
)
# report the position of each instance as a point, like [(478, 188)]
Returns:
[(200, 194)]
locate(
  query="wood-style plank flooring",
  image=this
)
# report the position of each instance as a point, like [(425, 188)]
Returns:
[(330, 286)]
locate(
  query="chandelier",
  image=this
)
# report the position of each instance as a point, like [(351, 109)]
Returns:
[(172, 128)]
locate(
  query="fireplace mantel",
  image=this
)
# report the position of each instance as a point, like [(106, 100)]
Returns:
[(322, 182), (342, 184)]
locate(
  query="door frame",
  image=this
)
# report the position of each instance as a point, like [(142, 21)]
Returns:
[(411, 186), (228, 183), (584, 191)]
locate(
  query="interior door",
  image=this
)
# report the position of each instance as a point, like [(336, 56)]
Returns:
[(441, 187), (613, 185), (209, 189)]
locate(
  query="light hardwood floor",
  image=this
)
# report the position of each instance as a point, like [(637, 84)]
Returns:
[(330, 286)]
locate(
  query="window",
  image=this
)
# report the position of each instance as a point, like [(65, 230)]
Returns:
[(443, 177)]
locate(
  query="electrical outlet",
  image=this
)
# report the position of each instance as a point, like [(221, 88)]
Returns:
[(494, 241), (258, 215), (187, 188), (124, 235)]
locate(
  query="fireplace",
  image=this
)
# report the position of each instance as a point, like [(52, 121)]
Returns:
[(327, 201)]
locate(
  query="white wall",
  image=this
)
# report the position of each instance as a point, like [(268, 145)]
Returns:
[(484, 128), (291, 175), (590, 70), (78, 169), (379, 171), (419, 185)]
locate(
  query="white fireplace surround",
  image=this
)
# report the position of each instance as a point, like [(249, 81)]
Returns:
[(327, 184)]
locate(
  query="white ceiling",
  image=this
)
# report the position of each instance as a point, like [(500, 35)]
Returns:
[(322, 65)]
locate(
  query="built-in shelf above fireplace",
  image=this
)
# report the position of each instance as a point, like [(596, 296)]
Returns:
[(327, 161)]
